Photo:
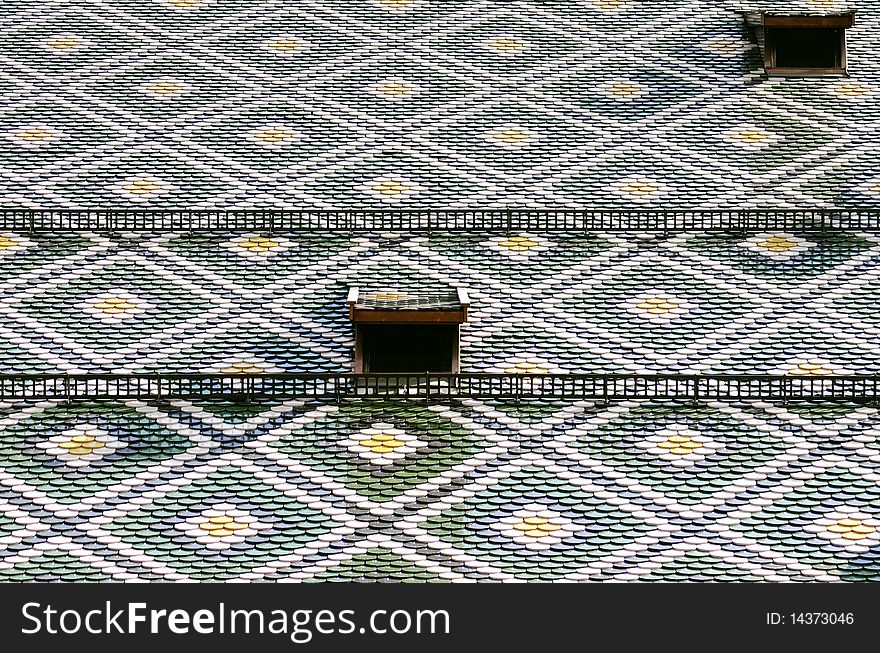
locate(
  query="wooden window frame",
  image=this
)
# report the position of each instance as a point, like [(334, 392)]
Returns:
[(395, 316), (834, 21)]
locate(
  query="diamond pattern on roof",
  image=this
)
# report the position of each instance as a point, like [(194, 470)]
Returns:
[(556, 302), (425, 104), (469, 103), (542, 491)]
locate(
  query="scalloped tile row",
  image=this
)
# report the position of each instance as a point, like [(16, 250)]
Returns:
[(781, 303), (454, 492), (425, 103)]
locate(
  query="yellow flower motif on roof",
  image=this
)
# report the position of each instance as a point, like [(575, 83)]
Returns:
[(624, 89), (518, 243), (257, 247), (273, 136), (852, 90), (871, 186), (527, 364), (221, 526), (11, 243), (810, 369), (65, 43), (184, 4), (164, 88), (391, 187), (258, 244), (241, 363), (639, 188), (397, 5), (680, 445), (382, 444), (658, 305), (142, 187), (284, 44), (777, 245), (527, 367), (243, 367), (612, 5), (848, 527), (520, 246), (750, 136), (537, 527), (33, 134), (852, 529), (394, 88), (506, 45), (655, 304), (81, 445), (510, 136), (114, 305)]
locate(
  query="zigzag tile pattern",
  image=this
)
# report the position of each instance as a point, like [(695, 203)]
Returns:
[(425, 104), (781, 303), (458, 492)]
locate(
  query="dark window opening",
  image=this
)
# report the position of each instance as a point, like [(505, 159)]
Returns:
[(805, 47), (411, 348)]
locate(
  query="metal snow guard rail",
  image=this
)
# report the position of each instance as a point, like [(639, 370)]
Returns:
[(602, 387), (451, 220)]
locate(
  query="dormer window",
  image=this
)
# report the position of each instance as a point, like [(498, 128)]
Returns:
[(405, 331), (802, 45)]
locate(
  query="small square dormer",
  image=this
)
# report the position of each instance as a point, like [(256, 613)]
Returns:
[(805, 45), (407, 332)]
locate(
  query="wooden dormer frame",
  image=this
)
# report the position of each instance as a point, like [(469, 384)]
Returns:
[(847, 19), (403, 316), (839, 22), (372, 317)]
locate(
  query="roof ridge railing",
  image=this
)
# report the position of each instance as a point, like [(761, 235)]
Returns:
[(444, 220), (598, 387)]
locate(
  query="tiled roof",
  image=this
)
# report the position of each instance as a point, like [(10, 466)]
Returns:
[(424, 492), (413, 300), (337, 104), (803, 7), (425, 103), (779, 303), (458, 490)]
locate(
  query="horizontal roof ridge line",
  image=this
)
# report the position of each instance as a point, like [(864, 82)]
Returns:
[(463, 220), (600, 387)]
